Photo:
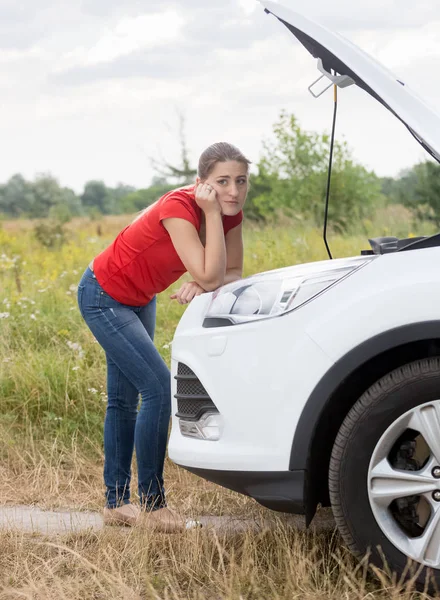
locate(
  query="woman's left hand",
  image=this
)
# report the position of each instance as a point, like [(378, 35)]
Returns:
[(187, 292)]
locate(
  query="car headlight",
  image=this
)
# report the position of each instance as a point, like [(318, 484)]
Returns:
[(276, 292)]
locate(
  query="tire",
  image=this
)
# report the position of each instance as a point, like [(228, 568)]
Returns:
[(364, 449)]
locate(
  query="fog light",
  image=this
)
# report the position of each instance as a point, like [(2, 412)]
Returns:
[(209, 427)]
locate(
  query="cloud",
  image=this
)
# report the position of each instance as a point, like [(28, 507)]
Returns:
[(178, 62), (132, 34), (134, 7), (13, 13), (161, 45), (88, 87), (136, 46), (346, 15), (19, 31)]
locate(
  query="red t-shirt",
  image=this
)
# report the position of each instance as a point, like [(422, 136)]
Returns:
[(142, 260)]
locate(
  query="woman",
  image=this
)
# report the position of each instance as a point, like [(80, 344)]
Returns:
[(196, 229)]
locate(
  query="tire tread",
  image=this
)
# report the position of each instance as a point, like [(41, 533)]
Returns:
[(402, 376)]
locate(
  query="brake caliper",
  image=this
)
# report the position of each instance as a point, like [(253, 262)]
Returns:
[(407, 514)]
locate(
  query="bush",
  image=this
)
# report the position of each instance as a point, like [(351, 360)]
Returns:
[(51, 234)]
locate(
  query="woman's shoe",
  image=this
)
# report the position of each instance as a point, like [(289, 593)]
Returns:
[(164, 520), (127, 514)]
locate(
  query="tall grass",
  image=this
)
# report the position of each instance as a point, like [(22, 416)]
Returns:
[(52, 371), (53, 398), (280, 564)]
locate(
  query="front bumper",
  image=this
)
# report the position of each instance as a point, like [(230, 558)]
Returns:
[(283, 491), (259, 377)]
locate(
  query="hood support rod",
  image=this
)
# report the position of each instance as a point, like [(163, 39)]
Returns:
[(332, 143)]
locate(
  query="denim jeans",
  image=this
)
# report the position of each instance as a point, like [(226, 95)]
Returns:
[(134, 366)]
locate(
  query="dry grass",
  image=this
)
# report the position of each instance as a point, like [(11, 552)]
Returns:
[(54, 476), (282, 564), (108, 224), (273, 561)]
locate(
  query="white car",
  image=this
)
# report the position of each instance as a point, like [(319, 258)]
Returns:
[(320, 383)]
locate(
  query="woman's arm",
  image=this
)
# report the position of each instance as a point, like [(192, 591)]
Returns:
[(234, 267), (206, 264), (234, 254)]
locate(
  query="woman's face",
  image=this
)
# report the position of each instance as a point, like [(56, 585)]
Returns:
[(230, 181)]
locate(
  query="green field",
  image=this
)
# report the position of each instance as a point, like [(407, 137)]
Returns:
[(53, 398)]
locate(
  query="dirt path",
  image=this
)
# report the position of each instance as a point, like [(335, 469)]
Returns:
[(33, 519)]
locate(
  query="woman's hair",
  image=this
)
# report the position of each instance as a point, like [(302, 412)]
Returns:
[(219, 152)]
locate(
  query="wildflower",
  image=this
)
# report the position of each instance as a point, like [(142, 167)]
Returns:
[(73, 345), (75, 368), (33, 316), (76, 347), (4, 315), (73, 287), (92, 390), (7, 360), (166, 346)]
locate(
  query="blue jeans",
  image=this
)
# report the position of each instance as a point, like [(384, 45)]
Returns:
[(134, 367)]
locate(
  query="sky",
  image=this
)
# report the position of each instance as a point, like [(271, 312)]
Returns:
[(92, 89)]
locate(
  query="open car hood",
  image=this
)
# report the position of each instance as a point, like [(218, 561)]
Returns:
[(351, 65)]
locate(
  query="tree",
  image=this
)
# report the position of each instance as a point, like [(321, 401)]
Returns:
[(292, 177), (97, 196), (183, 174), (419, 188), (50, 199), (72, 202), (140, 199), (47, 193), (42, 198), (16, 197), (388, 187)]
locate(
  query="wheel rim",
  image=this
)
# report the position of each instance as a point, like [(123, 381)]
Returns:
[(404, 488)]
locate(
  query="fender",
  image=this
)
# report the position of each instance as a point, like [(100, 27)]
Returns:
[(345, 366)]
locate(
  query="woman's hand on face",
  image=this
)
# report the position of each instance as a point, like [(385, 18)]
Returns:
[(187, 292), (206, 198)]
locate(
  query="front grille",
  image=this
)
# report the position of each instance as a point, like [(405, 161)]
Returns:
[(192, 398)]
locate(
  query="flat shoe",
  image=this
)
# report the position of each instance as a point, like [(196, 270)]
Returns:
[(164, 520), (127, 514)]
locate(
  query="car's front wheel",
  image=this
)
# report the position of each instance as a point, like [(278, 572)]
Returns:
[(384, 476)]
